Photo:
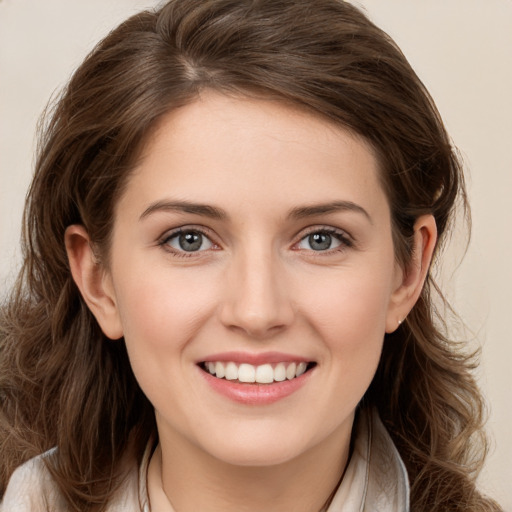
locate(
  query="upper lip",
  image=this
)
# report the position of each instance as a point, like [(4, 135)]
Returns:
[(255, 359)]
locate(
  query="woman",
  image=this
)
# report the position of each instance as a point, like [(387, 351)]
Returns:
[(226, 302)]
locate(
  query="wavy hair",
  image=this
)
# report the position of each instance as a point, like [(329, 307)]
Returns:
[(63, 384)]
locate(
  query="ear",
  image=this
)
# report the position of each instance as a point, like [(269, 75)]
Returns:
[(411, 279), (93, 281)]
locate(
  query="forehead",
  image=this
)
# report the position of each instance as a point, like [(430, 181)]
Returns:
[(237, 150)]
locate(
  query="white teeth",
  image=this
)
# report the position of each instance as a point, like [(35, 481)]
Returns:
[(280, 372), (262, 374), (219, 370), (301, 368), (231, 371), (246, 373), (290, 371)]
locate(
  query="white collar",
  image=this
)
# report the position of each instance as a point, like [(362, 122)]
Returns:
[(376, 478)]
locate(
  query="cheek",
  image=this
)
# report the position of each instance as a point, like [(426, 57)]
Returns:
[(351, 302), (349, 314), (161, 310)]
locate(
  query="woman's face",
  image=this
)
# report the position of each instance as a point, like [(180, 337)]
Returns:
[(253, 241)]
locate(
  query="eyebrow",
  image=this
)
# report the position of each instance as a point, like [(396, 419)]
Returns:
[(217, 213), (302, 212), (204, 210)]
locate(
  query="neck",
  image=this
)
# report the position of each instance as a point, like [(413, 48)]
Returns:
[(193, 480)]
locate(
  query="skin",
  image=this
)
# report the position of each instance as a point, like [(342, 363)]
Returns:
[(256, 285)]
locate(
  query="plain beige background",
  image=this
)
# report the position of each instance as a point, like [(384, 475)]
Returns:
[(462, 50)]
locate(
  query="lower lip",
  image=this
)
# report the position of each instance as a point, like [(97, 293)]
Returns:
[(255, 394)]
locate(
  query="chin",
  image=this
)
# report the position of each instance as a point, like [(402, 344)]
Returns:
[(257, 452)]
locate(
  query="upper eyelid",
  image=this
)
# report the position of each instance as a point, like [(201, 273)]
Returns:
[(326, 229), (170, 233)]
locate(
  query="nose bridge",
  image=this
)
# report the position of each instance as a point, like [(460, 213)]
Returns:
[(257, 300)]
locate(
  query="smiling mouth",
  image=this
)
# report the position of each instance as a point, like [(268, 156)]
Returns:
[(251, 374)]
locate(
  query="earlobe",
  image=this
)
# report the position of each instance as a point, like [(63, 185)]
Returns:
[(93, 281), (413, 276)]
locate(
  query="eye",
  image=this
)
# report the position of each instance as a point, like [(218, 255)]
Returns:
[(188, 241), (323, 240)]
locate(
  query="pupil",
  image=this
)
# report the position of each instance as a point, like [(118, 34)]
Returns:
[(320, 241), (191, 241)]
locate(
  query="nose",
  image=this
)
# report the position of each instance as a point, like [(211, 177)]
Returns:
[(257, 298)]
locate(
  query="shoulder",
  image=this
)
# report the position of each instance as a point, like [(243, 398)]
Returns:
[(32, 489)]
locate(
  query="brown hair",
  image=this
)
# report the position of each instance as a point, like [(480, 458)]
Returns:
[(56, 367)]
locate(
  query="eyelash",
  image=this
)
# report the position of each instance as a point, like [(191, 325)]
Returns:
[(164, 242), (346, 242), (341, 236)]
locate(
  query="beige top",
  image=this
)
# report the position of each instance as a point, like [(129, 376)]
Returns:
[(375, 479)]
